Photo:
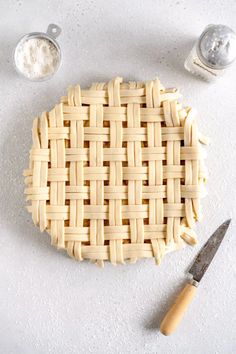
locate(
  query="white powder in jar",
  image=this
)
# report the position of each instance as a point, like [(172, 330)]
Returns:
[(37, 58)]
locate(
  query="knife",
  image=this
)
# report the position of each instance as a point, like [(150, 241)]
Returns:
[(174, 316)]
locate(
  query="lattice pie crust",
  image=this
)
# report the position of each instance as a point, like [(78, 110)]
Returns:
[(116, 172)]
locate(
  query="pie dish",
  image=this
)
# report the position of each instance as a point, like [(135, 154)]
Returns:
[(116, 172)]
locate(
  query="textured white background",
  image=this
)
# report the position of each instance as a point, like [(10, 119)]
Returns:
[(48, 302)]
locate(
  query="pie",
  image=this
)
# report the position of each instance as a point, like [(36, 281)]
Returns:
[(116, 172)]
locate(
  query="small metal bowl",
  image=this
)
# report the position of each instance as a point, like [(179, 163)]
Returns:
[(53, 31)]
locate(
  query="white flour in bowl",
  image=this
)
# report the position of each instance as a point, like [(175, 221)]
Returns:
[(37, 58)]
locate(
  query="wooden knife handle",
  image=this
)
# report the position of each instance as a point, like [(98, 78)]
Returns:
[(174, 316)]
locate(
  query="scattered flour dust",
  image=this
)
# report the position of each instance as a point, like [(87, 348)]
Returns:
[(37, 58)]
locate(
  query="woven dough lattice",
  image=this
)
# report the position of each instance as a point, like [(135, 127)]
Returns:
[(116, 172)]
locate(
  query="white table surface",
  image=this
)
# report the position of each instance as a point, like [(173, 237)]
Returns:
[(48, 302)]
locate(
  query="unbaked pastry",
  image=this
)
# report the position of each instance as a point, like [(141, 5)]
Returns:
[(116, 172)]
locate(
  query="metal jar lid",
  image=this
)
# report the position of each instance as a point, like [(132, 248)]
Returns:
[(217, 46)]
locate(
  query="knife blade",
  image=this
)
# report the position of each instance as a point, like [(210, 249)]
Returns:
[(208, 251), (197, 270)]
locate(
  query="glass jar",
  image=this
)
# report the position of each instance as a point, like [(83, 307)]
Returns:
[(213, 53)]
